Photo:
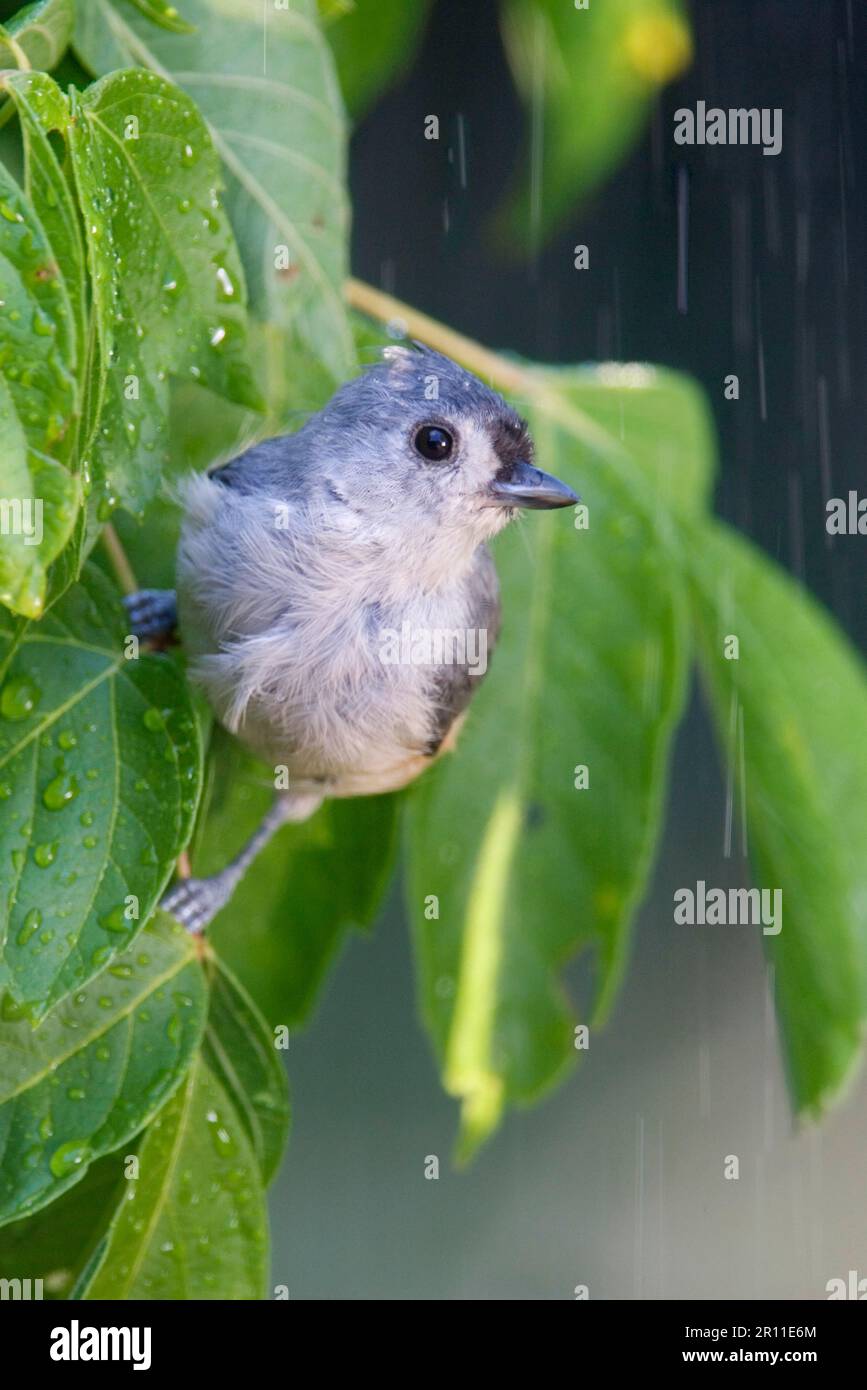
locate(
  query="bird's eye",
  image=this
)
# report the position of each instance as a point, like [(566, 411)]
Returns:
[(434, 443)]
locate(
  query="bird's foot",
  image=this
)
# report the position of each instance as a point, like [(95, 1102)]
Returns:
[(152, 612), (195, 902)]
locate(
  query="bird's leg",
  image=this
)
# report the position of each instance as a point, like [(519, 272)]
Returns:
[(152, 612), (194, 902)]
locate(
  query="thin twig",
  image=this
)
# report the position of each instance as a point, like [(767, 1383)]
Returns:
[(123, 570)]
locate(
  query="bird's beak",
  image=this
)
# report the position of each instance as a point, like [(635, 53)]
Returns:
[(526, 486)]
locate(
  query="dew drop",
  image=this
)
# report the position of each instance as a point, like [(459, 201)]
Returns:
[(19, 698), (11, 1011), (61, 790), (32, 922), (46, 854), (114, 921), (226, 286), (69, 1156)]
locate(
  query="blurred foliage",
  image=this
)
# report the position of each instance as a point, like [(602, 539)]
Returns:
[(587, 78), (374, 42)]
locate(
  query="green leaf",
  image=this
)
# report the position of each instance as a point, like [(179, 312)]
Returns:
[(312, 885), (661, 421), (799, 693), (39, 507), (240, 1051), (54, 1243), (41, 32), (329, 10), (165, 15), (274, 108), (99, 780), (43, 110), (96, 1071), (168, 290), (588, 78), (37, 334), (374, 43), (193, 1224), (590, 672)]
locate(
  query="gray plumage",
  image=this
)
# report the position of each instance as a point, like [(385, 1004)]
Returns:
[(301, 559), (309, 567)]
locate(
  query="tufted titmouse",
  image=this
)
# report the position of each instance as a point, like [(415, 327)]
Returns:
[(335, 591)]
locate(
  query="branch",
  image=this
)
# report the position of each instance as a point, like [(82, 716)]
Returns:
[(123, 570)]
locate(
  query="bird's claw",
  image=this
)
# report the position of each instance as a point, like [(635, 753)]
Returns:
[(153, 613), (194, 902)]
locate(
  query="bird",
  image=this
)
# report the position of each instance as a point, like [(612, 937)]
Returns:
[(335, 591)]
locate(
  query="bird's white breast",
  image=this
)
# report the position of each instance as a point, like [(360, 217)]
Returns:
[(292, 636)]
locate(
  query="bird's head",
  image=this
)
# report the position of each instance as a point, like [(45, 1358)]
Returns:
[(418, 447)]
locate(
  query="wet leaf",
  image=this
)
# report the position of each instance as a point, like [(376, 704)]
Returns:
[(799, 693), (39, 505), (42, 110), (99, 780), (240, 1050), (192, 1225), (37, 335), (168, 290), (274, 108), (95, 1072)]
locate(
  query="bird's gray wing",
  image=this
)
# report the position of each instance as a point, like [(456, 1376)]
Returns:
[(273, 468), (456, 684)]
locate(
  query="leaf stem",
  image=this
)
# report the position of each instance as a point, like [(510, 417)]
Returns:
[(123, 570), (18, 53)]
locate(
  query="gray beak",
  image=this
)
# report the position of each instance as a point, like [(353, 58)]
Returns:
[(526, 486)]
